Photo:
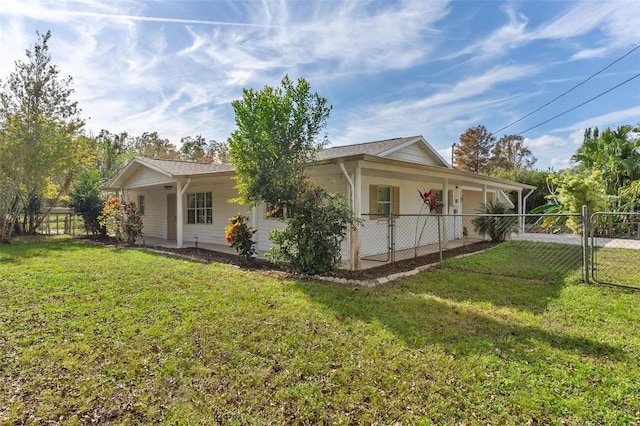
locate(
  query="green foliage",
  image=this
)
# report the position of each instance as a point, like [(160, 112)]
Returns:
[(87, 200), (122, 220), (495, 221), (40, 131), (316, 227), (538, 178), (276, 139), (576, 189), (614, 153), (240, 236), (273, 145), (510, 153)]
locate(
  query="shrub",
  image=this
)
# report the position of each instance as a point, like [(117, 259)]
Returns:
[(494, 222), (86, 200), (121, 219), (240, 236), (315, 230)]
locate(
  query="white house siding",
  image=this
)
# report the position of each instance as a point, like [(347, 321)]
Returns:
[(375, 232), (147, 177), (154, 220), (213, 233), (413, 153)]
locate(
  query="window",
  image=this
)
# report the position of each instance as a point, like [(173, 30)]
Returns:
[(199, 208), (384, 200), (141, 204), (278, 212)]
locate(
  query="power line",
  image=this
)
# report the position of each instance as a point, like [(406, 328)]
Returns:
[(578, 106), (570, 90)]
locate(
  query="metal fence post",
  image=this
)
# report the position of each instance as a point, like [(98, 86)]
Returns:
[(586, 227), (440, 241)]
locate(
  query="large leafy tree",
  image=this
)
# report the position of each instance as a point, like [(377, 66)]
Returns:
[(510, 153), (277, 138), (151, 145), (113, 152), (198, 149), (473, 153), (40, 126)]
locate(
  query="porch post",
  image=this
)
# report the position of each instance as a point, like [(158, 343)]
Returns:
[(180, 190), (520, 211), (179, 216), (484, 197), (356, 243), (445, 210)]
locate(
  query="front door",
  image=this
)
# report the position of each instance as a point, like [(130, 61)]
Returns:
[(172, 216)]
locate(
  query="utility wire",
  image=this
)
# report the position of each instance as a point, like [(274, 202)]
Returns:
[(578, 106), (570, 90)]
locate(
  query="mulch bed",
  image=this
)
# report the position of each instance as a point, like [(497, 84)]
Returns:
[(261, 264), (383, 270)]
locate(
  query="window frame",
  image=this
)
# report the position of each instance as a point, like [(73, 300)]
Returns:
[(199, 208), (140, 204), (375, 202)]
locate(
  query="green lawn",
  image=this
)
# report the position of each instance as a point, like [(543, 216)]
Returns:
[(95, 334)]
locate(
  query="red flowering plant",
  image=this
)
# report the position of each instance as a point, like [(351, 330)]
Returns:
[(430, 199)]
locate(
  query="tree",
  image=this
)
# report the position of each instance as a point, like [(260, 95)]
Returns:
[(113, 152), (198, 149), (539, 178), (151, 145), (615, 153), (41, 124), (576, 189), (275, 141), (87, 200), (510, 153), (473, 152), (193, 149)]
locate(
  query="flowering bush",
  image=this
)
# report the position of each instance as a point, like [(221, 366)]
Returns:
[(121, 219), (240, 235)]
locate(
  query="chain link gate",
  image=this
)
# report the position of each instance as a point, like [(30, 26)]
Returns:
[(615, 248)]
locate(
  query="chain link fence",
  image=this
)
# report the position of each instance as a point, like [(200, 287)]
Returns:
[(537, 246), (615, 248)]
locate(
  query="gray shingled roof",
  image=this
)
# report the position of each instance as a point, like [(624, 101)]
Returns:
[(369, 148), (185, 168), (188, 168)]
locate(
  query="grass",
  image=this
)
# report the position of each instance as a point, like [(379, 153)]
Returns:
[(98, 334)]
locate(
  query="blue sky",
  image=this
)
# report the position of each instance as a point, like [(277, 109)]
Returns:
[(389, 68)]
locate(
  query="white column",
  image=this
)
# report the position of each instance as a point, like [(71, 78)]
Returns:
[(484, 197), (179, 216), (445, 210), (356, 243)]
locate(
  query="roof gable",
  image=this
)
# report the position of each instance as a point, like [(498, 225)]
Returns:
[(414, 149)]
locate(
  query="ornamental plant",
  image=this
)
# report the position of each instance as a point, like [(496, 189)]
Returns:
[(240, 236), (122, 220), (495, 222)]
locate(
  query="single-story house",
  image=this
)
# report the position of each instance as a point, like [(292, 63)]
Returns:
[(186, 201)]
